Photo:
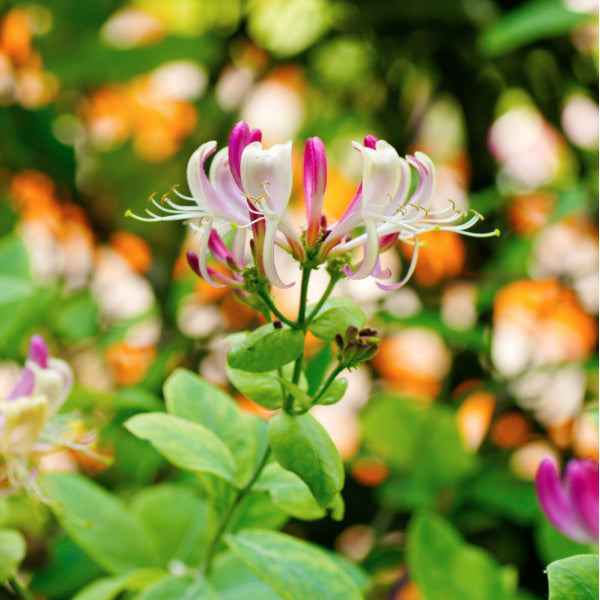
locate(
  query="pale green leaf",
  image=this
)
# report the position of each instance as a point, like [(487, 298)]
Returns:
[(300, 444), (187, 445), (109, 532), (574, 578), (295, 569)]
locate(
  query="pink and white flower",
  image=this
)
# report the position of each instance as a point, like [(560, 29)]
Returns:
[(249, 188), (41, 389)]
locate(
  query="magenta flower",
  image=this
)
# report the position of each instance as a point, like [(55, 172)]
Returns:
[(570, 503)]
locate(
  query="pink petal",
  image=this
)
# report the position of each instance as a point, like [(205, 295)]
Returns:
[(556, 502), (24, 385), (315, 181), (38, 351), (582, 480), (240, 137), (370, 141)]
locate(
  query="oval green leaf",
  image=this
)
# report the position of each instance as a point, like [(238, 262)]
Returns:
[(296, 570), (187, 445), (574, 578), (336, 315), (266, 349), (335, 392), (300, 444)]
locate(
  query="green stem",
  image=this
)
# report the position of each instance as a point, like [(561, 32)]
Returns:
[(329, 381), (300, 324), (315, 311), (214, 545), (269, 302), (21, 591)]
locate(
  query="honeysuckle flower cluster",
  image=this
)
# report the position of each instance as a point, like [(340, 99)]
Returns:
[(29, 426), (570, 503), (248, 189)]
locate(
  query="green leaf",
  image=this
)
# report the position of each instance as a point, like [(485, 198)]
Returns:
[(191, 397), (76, 318), (14, 288), (109, 588), (289, 493), (233, 580), (415, 439), (187, 445), (266, 349), (300, 444), (13, 257), (262, 388), (336, 315), (12, 552), (74, 565), (179, 588), (294, 569), (335, 392), (534, 20), (257, 510), (574, 578), (109, 532), (444, 566), (177, 520)]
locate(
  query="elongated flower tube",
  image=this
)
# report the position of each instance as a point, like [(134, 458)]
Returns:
[(267, 182), (570, 503), (41, 389), (315, 181), (383, 207)]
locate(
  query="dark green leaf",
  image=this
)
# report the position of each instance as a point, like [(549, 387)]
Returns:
[(444, 566), (527, 23)]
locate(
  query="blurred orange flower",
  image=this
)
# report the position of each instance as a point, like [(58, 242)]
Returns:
[(129, 364), (441, 256)]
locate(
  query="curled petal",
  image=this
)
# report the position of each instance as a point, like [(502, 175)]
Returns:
[(426, 186), (582, 481), (268, 256), (409, 272), (557, 504), (221, 177), (371, 256), (315, 181), (240, 137)]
